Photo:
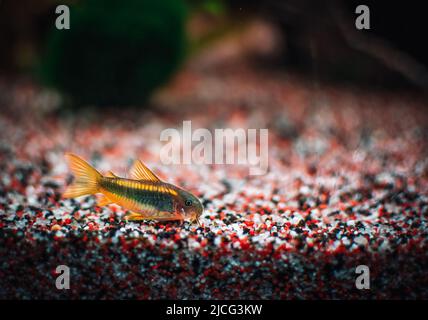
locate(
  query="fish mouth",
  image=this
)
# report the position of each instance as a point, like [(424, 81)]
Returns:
[(192, 217), (195, 217)]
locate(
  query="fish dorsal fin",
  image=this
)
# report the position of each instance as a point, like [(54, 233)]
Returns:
[(111, 175), (140, 172)]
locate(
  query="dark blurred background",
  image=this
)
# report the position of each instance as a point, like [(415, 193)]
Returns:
[(119, 53)]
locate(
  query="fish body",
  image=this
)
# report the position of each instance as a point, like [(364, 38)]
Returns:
[(145, 195)]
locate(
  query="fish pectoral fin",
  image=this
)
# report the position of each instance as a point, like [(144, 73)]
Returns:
[(161, 216), (138, 216), (135, 216), (103, 201), (164, 215)]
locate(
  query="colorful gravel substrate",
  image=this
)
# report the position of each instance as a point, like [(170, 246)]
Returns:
[(347, 185)]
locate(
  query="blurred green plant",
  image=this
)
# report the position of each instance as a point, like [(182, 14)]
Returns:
[(214, 7), (116, 53)]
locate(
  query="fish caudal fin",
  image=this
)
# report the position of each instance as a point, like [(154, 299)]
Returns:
[(86, 177)]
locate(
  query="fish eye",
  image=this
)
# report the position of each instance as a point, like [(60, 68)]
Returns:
[(188, 203)]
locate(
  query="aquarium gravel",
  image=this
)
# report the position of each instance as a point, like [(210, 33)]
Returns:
[(347, 185)]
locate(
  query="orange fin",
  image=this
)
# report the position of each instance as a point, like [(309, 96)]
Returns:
[(110, 174), (86, 177), (103, 201), (162, 216), (140, 172), (135, 216)]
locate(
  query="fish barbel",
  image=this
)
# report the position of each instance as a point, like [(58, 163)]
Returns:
[(144, 194)]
